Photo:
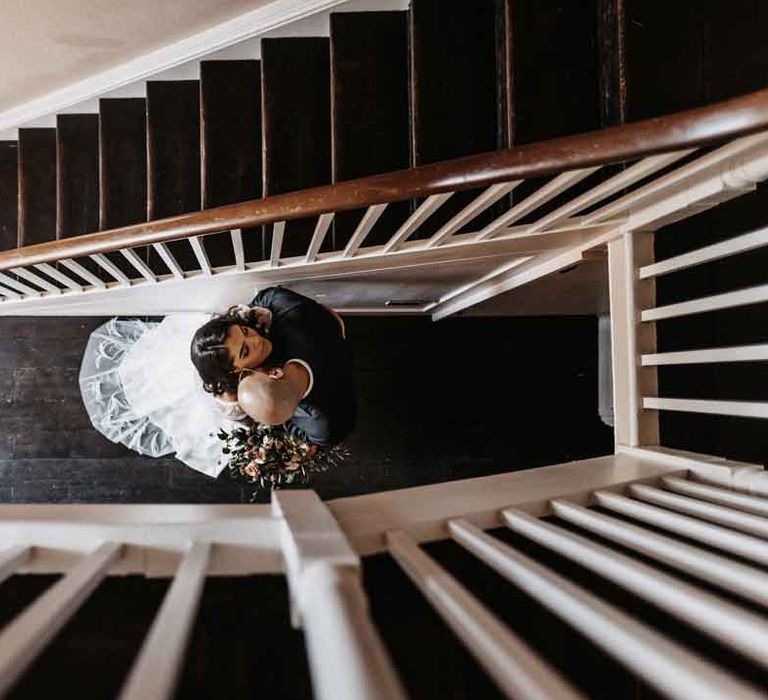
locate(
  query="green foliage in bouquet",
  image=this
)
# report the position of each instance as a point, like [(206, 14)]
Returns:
[(270, 457)]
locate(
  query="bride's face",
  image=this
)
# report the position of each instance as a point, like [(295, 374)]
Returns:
[(247, 348)]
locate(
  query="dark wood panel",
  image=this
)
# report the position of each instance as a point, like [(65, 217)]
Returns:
[(700, 127), (556, 71), (173, 155), (77, 174), (230, 93), (9, 194), (123, 169), (123, 153), (611, 57), (664, 51), (297, 125), (37, 186), (370, 111), (455, 77)]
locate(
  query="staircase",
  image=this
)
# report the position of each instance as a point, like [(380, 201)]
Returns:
[(385, 91)]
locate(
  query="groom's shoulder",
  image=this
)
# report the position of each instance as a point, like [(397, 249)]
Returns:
[(281, 300)]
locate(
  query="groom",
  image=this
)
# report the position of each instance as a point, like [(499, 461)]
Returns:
[(306, 381)]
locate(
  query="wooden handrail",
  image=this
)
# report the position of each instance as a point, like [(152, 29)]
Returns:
[(697, 127)]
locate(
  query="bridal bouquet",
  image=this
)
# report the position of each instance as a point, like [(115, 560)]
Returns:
[(270, 457)]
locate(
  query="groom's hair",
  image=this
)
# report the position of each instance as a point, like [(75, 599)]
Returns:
[(209, 354)]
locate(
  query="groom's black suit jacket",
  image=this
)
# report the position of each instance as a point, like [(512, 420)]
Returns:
[(302, 329)]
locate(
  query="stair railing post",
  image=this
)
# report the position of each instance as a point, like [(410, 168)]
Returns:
[(347, 658)]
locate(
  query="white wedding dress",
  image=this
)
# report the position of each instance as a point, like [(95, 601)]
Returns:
[(141, 389)]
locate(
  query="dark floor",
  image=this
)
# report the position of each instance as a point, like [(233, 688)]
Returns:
[(439, 401)]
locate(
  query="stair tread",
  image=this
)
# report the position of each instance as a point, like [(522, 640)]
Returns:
[(230, 94), (457, 70), (123, 154), (296, 119), (37, 185), (173, 155), (77, 173), (370, 109), (556, 68), (454, 67), (9, 200)]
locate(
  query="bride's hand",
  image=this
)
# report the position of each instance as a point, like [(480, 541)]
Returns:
[(227, 396)]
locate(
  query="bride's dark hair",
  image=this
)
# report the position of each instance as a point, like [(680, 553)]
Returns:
[(209, 354)]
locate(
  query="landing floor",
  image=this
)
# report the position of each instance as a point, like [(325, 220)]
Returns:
[(451, 400)]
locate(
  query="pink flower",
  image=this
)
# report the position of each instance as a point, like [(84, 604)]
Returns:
[(251, 469)]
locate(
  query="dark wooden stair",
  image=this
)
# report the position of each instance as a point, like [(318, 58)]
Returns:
[(123, 166), (9, 194), (123, 154), (173, 157), (457, 66), (386, 91), (370, 108), (77, 180), (37, 186), (230, 93), (297, 123)]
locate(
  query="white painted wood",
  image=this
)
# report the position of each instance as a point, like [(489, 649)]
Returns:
[(727, 573), (202, 257), (228, 285), (541, 196), (717, 251), (237, 247), (59, 276), (746, 409), (663, 664), (745, 477), (170, 261), (493, 274), (115, 272), (428, 207), (278, 231), (36, 279), (476, 207), (633, 424), (251, 24), (515, 276), (740, 501), (87, 275), (722, 515), (421, 512), (742, 297), (671, 180), (371, 216), (605, 370), (139, 265), (517, 670), (623, 341), (742, 353), (722, 538), (155, 672), (8, 294), (346, 656), (28, 634), (625, 178), (17, 286), (321, 230), (11, 559), (730, 624)]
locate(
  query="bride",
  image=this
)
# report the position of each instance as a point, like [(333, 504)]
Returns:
[(169, 387)]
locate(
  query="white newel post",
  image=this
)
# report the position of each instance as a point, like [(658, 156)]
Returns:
[(347, 658)]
